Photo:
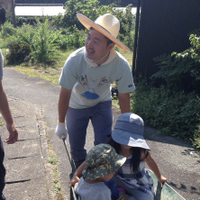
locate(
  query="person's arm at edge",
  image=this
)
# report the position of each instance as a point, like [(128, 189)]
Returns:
[(124, 102), (77, 175), (63, 103), (154, 167), (6, 113)]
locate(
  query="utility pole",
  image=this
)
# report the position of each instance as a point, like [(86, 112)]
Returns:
[(13, 13)]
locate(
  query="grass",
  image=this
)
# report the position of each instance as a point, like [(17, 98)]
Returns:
[(52, 160), (1, 122), (50, 72), (54, 167)]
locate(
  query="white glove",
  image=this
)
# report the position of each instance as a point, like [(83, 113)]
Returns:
[(61, 130)]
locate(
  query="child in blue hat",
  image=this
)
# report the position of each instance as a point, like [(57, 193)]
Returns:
[(133, 179)]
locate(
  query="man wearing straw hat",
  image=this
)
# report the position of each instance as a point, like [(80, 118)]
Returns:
[(86, 81)]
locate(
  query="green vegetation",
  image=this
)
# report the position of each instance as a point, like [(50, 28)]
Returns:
[(1, 122), (53, 160), (171, 100)]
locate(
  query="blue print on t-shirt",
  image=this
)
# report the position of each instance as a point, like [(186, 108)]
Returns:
[(90, 95)]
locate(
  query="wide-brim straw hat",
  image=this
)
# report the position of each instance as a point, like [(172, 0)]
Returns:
[(101, 161), (129, 130), (106, 24)]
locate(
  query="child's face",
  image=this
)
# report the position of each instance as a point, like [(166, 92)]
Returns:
[(125, 147), (108, 177)]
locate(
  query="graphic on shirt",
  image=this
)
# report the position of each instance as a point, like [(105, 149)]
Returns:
[(103, 81), (91, 93)]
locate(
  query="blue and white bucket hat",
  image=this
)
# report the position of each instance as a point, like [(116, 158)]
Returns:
[(129, 130)]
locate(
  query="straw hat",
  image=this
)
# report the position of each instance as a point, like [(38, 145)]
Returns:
[(106, 24), (102, 160), (129, 130)]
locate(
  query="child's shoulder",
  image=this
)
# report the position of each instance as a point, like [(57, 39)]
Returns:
[(144, 154)]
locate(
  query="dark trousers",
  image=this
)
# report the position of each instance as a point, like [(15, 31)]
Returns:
[(2, 171), (77, 123)]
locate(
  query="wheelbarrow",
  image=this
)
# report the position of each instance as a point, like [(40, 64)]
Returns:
[(166, 192)]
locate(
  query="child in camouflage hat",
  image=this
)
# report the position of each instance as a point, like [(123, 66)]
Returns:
[(101, 162)]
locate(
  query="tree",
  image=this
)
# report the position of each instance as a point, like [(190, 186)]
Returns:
[(87, 7), (13, 13)]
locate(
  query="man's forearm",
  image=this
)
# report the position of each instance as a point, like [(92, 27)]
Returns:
[(62, 110), (4, 108), (63, 104), (124, 102)]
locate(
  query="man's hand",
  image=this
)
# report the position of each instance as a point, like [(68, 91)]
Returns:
[(13, 136), (61, 130)]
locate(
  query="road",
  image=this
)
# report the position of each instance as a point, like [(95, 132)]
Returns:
[(178, 161)]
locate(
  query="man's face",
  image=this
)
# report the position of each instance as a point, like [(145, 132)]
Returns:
[(96, 45)]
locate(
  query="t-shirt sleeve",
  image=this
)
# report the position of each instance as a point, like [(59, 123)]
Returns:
[(1, 66), (124, 79)]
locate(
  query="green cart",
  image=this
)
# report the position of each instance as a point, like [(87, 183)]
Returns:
[(166, 192)]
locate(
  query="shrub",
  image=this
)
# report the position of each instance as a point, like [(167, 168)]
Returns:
[(181, 71), (42, 38), (7, 30), (127, 26), (45, 42), (171, 100), (17, 53), (173, 113), (73, 40)]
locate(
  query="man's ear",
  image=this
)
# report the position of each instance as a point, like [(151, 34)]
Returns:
[(111, 46)]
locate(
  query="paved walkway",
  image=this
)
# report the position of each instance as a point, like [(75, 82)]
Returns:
[(26, 160)]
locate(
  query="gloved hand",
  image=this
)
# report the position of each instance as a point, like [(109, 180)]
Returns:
[(61, 130)]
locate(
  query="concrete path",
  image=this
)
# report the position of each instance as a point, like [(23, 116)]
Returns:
[(30, 175)]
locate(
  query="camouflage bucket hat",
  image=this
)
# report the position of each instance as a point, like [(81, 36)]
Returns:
[(102, 160)]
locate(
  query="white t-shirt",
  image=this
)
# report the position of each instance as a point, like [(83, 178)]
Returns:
[(91, 85), (94, 191)]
